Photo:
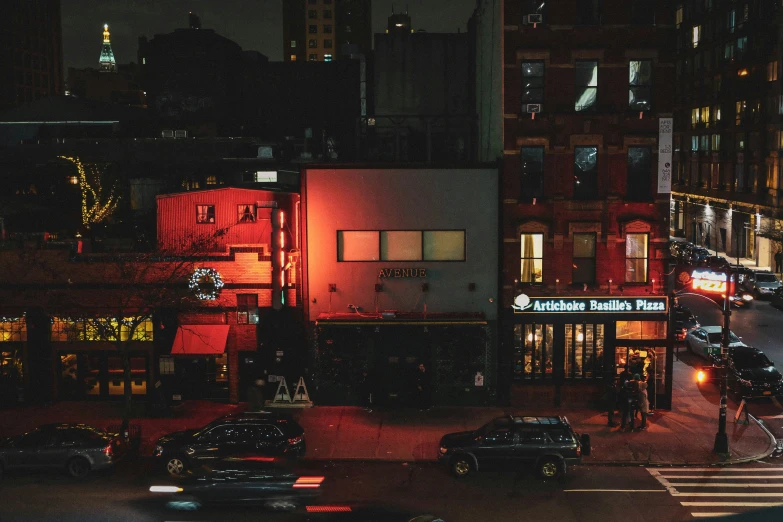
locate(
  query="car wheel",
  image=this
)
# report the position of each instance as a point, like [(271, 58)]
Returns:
[(550, 468), (461, 465), (78, 467), (176, 466)]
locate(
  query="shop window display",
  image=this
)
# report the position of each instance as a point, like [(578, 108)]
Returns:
[(533, 348), (584, 351)]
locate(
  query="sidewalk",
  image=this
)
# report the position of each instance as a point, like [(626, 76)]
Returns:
[(684, 435)]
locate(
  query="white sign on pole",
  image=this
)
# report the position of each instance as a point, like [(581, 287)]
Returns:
[(664, 155)]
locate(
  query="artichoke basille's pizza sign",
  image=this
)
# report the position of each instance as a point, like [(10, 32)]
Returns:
[(626, 304)]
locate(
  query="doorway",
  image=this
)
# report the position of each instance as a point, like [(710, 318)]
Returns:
[(646, 361)]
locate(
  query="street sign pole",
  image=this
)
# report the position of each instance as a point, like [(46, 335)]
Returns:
[(722, 438)]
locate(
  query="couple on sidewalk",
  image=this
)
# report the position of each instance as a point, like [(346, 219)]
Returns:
[(631, 394)]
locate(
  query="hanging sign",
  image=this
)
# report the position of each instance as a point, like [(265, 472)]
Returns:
[(664, 155)]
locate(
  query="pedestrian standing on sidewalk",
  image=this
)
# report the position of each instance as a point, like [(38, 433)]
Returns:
[(779, 261), (644, 403), (423, 388)]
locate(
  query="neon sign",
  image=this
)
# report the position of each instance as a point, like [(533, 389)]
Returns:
[(708, 281)]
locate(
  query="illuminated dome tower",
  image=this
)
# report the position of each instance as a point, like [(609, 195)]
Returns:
[(107, 55)]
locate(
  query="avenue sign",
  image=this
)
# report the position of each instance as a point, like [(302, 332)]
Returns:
[(626, 304)]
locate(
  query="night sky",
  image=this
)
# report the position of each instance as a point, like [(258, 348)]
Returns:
[(253, 24)]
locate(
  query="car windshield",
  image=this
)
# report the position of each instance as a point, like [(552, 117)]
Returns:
[(766, 278), (492, 426), (717, 338), (751, 360)]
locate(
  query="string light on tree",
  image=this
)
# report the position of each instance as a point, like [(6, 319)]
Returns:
[(206, 283), (98, 202)]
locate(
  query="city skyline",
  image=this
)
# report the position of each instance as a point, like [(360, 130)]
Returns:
[(255, 25)]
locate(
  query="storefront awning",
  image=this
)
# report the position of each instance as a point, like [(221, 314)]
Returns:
[(200, 339)]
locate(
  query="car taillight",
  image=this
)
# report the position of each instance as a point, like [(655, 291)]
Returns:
[(579, 450), (108, 450), (308, 482), (328, 509), (295, 440)]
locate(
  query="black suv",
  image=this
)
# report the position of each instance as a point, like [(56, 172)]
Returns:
[(513, 441), (262, 434), (751, 374)]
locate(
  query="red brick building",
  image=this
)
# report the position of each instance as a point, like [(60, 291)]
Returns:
[(585, 83)]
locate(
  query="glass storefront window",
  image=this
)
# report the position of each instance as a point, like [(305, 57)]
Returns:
[(69, 384), (584, 351), (99, 329), (645, 361), (138, 367), (13, 330), (533, 351), (641, 329), (91, 370)]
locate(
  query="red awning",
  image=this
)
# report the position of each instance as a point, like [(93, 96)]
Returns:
[(200, 339)]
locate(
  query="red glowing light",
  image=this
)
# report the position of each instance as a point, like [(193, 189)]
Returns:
[(328, 509)]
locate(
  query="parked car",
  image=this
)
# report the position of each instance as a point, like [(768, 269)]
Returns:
[(707, 340), (717, 263), (741, 298), (273, 484), (684, 321), (267, 434), (76, 448), (762, 284), (777, 298), (511, 442), (696, 254), (750, 373), (679, 249)]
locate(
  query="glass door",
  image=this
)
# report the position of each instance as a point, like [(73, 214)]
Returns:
[(647, 361)]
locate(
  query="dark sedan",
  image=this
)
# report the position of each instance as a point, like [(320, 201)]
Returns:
[(265, 434), (751, 374), (252, 480), (684, 321), (76, 448)]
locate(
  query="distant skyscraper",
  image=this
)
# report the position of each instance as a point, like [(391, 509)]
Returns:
[(107, 55), (31, 52), (325, 30)]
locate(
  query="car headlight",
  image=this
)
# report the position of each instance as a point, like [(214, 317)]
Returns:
[(443, 450), (158, 450), (747, 297)]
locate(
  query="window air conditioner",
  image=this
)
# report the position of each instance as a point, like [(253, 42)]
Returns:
[(535, 19), (532, 107), (180, 134), (167, 134)]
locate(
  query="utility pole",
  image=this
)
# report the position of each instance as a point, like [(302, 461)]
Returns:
[(721, 438)]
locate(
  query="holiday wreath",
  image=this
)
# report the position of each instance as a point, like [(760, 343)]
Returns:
[(206, 283)]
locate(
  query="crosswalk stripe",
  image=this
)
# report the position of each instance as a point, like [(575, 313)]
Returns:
[(725, 477), (731, 504), (725, 494), (705, 485), (710, 515), (715, 469)]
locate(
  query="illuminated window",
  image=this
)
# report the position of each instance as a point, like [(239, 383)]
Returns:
[(696, 35), (358, 245), (327, 57), (13, 329), (246, 213), (742, 46), (731, 20), (636, 253), (639, 85), (293, 43), (211, 180), (695, 117), (584, 351), (532, 258), (427, 245), (205, 213), (641, 330), (728, 52), (99, 329), (73, 180), (740, 111), (293, 57), (586, 85), (444, 245), (772, 71), (678, 16), (715, 143), (247, 309), (401, 245), (705, 116)]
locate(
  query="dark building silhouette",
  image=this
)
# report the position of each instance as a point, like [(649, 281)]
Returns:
[(326, 30), (31, 54), (728, 189)]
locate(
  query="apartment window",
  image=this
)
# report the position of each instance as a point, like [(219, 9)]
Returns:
[(583, 270), (696, 35), (247, 309), (731, 20), (742, 46), (533, 349), (313, 57), (678, 16), (327, 57), (704, 116), (327, 14), (728, 52), (327, 28), (585, 172), (772, 71), (211, 180), (328, 44), (740, 111), (401, 245), (532, 179), (586, 85), (639, 174), (639, 85), (293, 43), (739, 141), (715, 115), (642, 12), (704, 143), (293, 57), (588, 12), (312, 29), (205, 213), (636, 252), (695, 117), (246, 213), (312, 14), (532, 258), (312, 43), (715, 143), (533, 82)]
